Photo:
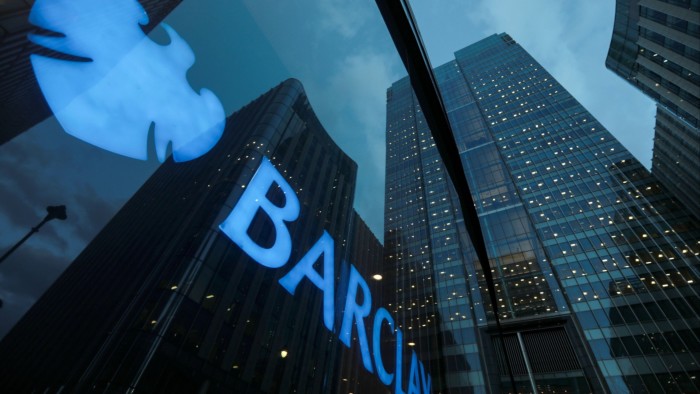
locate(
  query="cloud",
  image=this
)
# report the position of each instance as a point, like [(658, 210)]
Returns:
[(27, 192), (363, 79), (34, 177), (552, 33), (343, 17), (44, 166), (31, 268), (351, 104)]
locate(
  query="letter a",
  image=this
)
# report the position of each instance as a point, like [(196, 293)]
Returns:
[(305, 267), (236, 225)]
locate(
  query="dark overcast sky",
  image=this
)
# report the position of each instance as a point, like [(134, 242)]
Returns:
[(343, 55)]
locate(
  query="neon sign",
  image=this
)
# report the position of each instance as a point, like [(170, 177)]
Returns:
[(128, 84), (236, 225)]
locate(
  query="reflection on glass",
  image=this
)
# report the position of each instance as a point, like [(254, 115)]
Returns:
[(127, 83)]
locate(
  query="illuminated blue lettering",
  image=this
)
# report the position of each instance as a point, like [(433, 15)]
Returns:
[(413, 378), (305, 268), (356, 312), (425, 379), (380, 316), (236, 225), (129, 83), (399, 361)]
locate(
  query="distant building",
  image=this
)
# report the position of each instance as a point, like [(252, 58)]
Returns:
[(22, 104), (655, 46), (161, 300), (676, 160), (595, 266)]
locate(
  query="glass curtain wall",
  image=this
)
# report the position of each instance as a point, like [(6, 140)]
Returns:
[(175, 132)]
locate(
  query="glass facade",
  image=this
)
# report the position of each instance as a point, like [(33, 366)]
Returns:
[(229, 227), (162, 299), (146, 291), (656, 47), (676, 150), (578, 234)]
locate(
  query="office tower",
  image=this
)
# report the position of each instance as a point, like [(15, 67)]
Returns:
[(595, 265), (162, 300), (22, 104), (676, 159), (655, 46), (367, 254)]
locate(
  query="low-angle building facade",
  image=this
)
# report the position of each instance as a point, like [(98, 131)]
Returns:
[(595, 264), (655, 46), (273, 197)]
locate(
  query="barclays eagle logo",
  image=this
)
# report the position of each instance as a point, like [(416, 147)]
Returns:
[(129, 83)]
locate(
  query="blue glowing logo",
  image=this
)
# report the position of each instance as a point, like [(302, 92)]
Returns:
[(129, 82)]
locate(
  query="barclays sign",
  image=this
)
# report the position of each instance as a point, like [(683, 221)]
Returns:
[(236, 226)]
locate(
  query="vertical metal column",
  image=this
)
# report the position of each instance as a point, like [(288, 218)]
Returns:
[(527, 363)]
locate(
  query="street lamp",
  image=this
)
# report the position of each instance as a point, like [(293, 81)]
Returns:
[(52, 212)]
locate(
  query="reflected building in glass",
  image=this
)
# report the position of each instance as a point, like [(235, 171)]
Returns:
[(595, 265), (22, 105), (655, 46), (367, 254), (162, 300)]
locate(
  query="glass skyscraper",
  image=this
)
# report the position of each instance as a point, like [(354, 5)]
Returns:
[(655, 46), (595, 265)]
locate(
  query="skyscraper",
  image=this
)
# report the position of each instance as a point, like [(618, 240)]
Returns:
[(22, 104), (586, 248), (655, 46), (162, 300)]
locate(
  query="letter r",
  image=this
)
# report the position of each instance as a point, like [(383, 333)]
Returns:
[(236, 225)]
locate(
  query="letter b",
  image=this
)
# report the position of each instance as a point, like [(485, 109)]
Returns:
[(236, 225)]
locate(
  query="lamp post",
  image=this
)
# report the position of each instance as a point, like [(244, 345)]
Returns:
[(52, 212)]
